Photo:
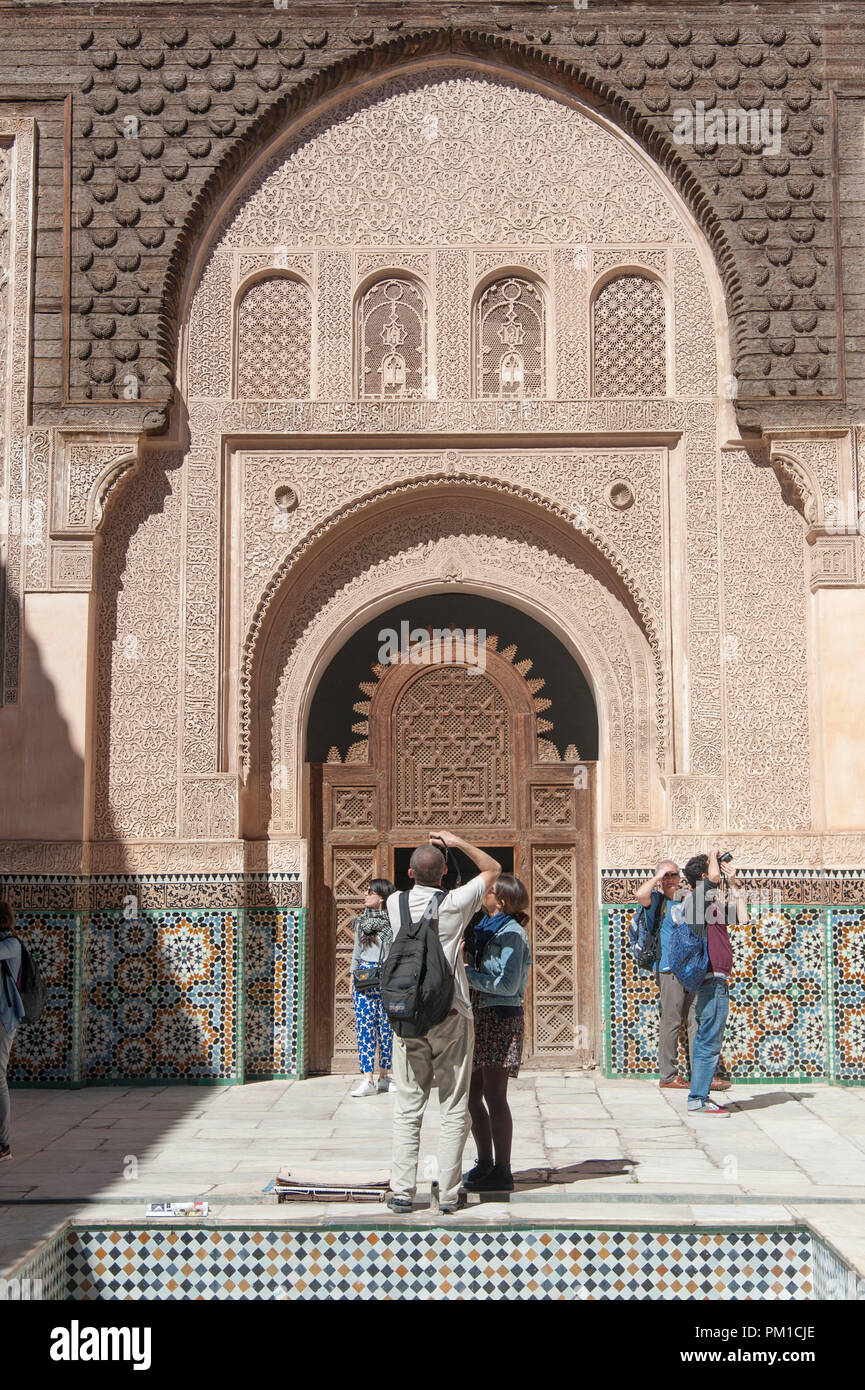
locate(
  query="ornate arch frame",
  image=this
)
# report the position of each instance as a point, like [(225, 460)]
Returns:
[(304, 624), (587, 540)]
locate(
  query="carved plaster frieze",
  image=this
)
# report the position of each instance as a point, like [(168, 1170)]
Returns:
[(72, 566), (833, 562), (598, 544), (209, 808), (751, 850), (84, 472), (696, 803), (504, 556)]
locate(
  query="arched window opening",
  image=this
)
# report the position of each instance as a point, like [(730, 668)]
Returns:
[(509, 337), (274, 341), (392, 326)]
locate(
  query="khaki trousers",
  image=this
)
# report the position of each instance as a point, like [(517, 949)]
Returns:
[(677, 1004), (444, 1056)]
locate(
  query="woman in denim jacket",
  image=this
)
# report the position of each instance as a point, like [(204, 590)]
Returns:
[(497, 976)]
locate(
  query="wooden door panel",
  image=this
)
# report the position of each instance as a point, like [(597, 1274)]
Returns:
[(454, 750), (554, 924), (352, 867)]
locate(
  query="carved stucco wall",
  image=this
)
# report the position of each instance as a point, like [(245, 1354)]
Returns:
[(22, 499), (555, 177)]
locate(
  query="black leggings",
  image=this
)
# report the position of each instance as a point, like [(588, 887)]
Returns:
[(492, 1122)]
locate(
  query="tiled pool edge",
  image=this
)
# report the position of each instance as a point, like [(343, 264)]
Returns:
[(441, 1261)]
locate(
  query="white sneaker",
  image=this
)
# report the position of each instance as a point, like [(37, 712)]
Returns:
[(386, 1083), (365, 1088)]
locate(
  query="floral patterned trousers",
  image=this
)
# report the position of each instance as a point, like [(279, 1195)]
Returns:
[(372, 1028)]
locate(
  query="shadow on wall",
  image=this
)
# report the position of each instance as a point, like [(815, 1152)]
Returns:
[(142, 970)]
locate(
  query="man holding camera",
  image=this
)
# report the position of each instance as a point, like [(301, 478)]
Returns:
[(703, 911), (657, 896), (443, 1055)]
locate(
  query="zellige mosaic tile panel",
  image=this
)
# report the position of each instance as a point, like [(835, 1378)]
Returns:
[(160, 995), (777, 1025)]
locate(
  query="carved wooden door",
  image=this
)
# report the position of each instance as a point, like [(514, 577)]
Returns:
[(452, 747)]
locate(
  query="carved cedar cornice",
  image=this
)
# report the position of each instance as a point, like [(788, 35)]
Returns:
[(210, 98)]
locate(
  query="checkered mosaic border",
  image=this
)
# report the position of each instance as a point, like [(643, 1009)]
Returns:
[(797, 998), (409, 1264)]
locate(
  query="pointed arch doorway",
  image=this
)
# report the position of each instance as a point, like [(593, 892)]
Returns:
[(458, 744)]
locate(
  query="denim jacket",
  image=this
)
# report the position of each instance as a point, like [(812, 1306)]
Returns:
[(503, 972)]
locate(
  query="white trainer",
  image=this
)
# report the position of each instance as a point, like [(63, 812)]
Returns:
[(386, 1083), (365, 1088)]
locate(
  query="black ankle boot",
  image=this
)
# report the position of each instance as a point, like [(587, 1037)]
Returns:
[(481, 1170), (497, 1180)]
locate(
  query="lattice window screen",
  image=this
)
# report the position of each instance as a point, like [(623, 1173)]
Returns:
[(452, 751), (509, 339), (630, 338), (274, 340), (392, 328)]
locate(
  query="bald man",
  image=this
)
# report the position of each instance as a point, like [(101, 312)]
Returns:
[(444, 1055)]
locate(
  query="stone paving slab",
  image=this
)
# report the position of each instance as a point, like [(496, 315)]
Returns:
[(585, 1144)]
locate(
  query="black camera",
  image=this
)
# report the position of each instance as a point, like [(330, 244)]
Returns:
[(725, 857)]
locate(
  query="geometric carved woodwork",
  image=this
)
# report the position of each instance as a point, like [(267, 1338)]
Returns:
[(353, 808), (352, 870), (450, 747), (452, 750), (551, 806), (554, 914)]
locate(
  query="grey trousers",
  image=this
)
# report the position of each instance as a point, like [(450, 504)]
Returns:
[(443, 1058), (5, 1049), (677, 1004)]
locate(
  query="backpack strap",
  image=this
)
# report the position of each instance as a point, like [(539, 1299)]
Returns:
[(427, 917), (404, 914)]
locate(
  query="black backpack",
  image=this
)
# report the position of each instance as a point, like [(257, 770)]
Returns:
[(417, 984), (644, 937), (30, 983)]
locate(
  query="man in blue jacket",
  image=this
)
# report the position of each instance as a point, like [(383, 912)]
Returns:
[(11, 1013), (678, 1005)]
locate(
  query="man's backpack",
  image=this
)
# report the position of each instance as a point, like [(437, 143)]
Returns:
[(688, 953), (417, 984), (644, 936), (29, 983)]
